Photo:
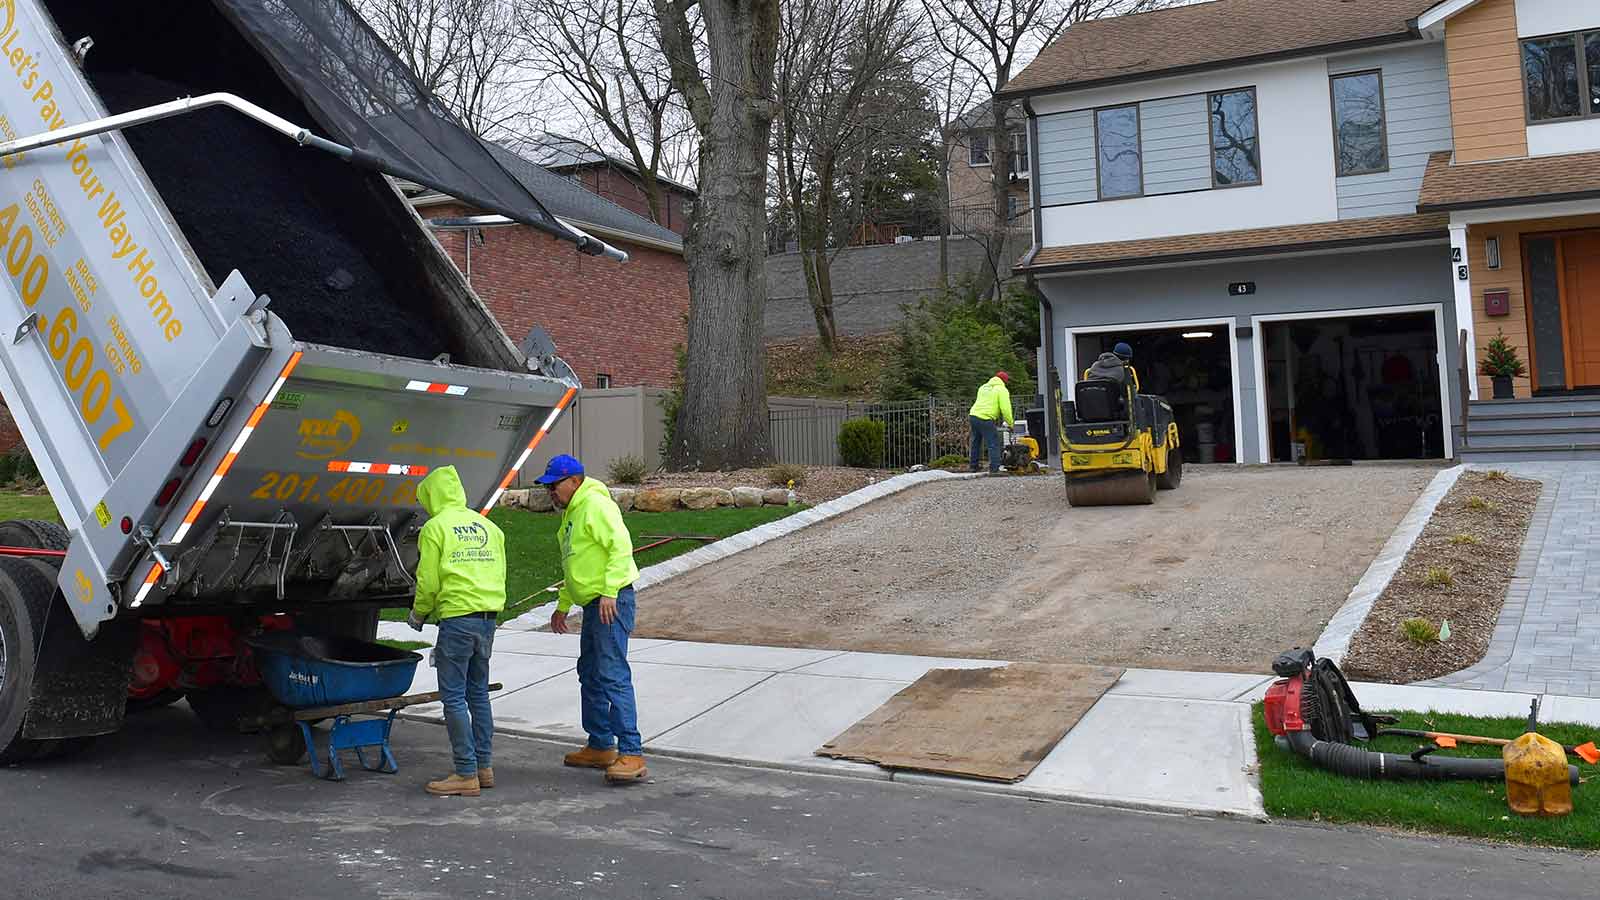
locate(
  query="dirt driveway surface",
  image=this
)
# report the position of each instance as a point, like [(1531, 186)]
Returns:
[(1234, 567)]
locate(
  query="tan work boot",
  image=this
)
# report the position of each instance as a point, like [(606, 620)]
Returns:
[(485, 777), (590, 758), (627, 768), (454, 785)]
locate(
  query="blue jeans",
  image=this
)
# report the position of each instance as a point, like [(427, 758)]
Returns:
[(605, 682), (462, 659), (985, 432)]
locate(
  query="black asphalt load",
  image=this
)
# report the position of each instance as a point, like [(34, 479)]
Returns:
[(165, 809), (297, 223)]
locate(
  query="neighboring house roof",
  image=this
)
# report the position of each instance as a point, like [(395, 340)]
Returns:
[(560, 153), (1511, 182), (1442, 10), (1250, 242), (980, 116), (1212, 35), (571, 201)]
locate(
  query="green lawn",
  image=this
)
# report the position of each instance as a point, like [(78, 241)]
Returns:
[(1293, 788), (533, 562), (27, 506)]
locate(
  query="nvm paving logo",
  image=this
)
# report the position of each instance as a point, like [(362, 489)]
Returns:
[(472, 536), (328, 438)]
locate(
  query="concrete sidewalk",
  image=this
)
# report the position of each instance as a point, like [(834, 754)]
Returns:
[(1160, 740)]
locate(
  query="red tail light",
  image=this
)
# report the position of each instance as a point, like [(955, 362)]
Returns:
[(168, 491), (192, 455)]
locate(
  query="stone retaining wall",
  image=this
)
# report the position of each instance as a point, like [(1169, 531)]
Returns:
[(663, 499)]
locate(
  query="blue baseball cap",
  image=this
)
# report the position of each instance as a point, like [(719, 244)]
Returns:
[(563, 466)]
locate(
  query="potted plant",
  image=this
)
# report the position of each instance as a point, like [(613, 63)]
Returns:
[(1501, 364)]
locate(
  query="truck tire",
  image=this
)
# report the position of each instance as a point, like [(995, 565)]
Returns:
[(220, 709), (34, 534), (26, 589)]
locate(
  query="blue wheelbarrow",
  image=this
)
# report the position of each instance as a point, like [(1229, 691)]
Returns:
[(315, 678)]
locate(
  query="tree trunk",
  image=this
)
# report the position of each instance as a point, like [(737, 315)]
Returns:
[(944, 211), (722, 422), (822, 310), (1000, 174)]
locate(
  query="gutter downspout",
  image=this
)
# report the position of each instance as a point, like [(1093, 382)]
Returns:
[(1046, 311)]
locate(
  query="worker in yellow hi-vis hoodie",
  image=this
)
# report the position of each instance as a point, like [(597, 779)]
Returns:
[(993, 405), (597, 562), (461, 584)]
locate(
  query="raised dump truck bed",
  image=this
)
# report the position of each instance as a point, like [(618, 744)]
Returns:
[(227, 355)]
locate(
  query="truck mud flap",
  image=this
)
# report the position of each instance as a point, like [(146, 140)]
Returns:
[(80, 688)]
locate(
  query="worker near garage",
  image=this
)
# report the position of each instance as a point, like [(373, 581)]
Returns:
[(461, 584), (597, 564), (1115, 366), (992, 406)]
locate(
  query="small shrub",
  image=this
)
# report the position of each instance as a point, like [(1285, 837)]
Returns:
[(861, 443), (1420, 631), (949, 461), (1500, 359), (1478, 503), (1438, 576), (785, 474), (628, 469), (1464, 538), (1496, 475), (17, 468)]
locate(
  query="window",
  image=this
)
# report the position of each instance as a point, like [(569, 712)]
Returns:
[(1235, 140), (1116, 137), (1019, 153), (1561, 76), (602, 380), (1011, 206), (1360, 138), (978, 148)]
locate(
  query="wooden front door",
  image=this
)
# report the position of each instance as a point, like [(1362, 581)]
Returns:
[(1580, 300)]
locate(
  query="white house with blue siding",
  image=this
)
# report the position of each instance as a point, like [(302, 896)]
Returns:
[(1232, 188)]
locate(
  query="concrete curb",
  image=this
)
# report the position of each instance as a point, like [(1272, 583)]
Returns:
[(909, 779), (755, 537), (1335, 640)]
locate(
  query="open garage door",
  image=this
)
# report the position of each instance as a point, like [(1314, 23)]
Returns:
[(1192, 367), (1356, 387)]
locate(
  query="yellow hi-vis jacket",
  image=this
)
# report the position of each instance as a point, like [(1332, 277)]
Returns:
[(596, 549), (461, 563), (994, 402)]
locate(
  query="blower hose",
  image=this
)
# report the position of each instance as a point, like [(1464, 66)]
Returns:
[(1334, 720)]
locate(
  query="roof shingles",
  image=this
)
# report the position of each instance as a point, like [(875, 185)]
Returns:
[(1282, 239), (1508, 182), (1210, 34)]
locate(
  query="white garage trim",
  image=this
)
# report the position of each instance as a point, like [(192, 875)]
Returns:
[(1440, 351), (1231, 323)]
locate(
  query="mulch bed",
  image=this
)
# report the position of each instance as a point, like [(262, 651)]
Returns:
[(1479, 548)]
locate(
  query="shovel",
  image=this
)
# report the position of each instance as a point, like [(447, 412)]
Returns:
[(1588, 752)]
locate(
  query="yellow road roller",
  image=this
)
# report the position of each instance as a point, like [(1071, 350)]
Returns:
[(1118, 446)]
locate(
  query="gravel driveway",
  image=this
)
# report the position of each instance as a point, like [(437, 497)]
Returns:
[(1237, 565)]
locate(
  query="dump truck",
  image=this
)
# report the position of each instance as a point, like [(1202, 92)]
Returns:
[(231, 346)]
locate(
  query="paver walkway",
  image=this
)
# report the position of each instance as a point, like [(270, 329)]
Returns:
[(1548, 636)]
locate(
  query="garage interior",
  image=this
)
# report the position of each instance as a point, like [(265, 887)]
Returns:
[(1191, 367), (1357, 388)]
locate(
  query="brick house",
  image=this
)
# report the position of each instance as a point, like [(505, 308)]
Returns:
[(972, 174), (612, 177), (616, 324)]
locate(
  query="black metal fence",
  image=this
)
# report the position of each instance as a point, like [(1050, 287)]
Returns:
[(916, 432)]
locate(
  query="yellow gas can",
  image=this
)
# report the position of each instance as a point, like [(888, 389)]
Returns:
[(1536, 777)]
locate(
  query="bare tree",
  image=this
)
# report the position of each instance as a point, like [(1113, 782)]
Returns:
[(833, 53), (463, 51), (726, 81), (606, 58), (989, 39)]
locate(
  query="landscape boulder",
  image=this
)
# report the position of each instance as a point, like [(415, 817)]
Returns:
[(623, 498), (746, 497), (517, 499), (706, 498), (539, 500), (657, 499), (775, 497)]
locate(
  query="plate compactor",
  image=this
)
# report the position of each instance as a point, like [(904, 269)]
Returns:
[(1118, 447)]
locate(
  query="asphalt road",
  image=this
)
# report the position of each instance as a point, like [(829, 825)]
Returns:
[(164, 810)]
